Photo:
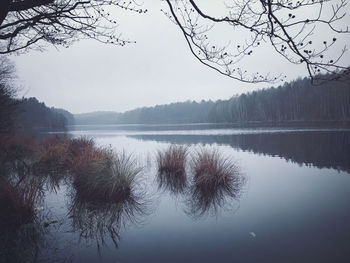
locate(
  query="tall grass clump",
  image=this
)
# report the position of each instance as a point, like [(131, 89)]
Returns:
[(105, 175), (215, 178), (78, 145), (18, 201), (211, 169), (16, 151), (172, 160), (52, 154), (171, 164), (90, 162)]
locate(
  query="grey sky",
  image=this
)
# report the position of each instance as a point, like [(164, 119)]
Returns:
[(158, 69)]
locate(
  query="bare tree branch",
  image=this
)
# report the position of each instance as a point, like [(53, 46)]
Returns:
[(27, 4), (29, 24), (293, 28)]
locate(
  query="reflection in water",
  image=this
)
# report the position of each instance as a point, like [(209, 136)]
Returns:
[(216, 183), (99, 221), (20, 228), (174, 183), (315, 203), (323, 149), (25, 222), (171, 164)]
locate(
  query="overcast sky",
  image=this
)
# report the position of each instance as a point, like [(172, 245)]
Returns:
[(158, 69)]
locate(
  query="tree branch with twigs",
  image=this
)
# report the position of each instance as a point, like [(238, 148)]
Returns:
[(292, 28), (28, 24)]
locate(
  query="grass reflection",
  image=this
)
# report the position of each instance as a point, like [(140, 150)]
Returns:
[(99, 221), (21, 230), (171, 164), (216, 183)]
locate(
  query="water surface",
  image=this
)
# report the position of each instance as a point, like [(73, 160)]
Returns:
[(293, 207)]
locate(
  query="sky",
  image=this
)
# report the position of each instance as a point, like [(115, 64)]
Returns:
[(158, 69)]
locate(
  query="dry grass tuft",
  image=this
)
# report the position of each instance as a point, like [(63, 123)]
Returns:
[(211, 169), (172, 168), (52, 154), (172, 160), (216, 178), (101, 174), (15, 148), (78, 145), (97, 173)]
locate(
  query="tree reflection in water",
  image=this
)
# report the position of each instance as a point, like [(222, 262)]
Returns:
[(216, 184)]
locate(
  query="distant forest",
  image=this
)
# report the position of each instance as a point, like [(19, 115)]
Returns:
[(181, 112), (297, 101), (32, 114), (28, 114)]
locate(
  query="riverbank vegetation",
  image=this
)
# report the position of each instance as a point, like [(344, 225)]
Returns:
[(104, 187), (98, 173), (101, 181)]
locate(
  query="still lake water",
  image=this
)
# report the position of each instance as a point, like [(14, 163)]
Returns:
[(293, 207)]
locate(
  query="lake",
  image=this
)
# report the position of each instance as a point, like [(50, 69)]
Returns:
[(292, 207)]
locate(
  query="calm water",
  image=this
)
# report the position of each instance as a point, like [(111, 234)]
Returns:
[(293, 207)]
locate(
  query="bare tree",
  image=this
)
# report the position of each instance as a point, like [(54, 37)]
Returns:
[(296, 30), (25, 23), (7, 95)]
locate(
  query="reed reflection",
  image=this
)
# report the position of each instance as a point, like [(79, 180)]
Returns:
[(101, 222), (24, 220), (171, 164), (216, 183)]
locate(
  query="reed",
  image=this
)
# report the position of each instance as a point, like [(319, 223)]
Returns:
[(102, 174), (171, 164), (211, 169), (17, 149), (78, 145), (172, 160), (217, 181), (52, 154)]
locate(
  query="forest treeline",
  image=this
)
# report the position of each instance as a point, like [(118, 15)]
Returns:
[(28, 114), (294, 101), (97, 117), (32, 114), (25, 114), (298, 100), (180, 112)]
